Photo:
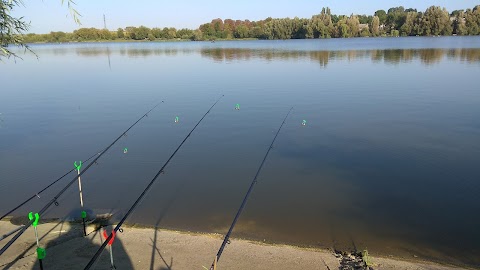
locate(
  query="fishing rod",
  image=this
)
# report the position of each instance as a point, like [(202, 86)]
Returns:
[(132, 208), (54, 200), (37, 195), (242, 206)]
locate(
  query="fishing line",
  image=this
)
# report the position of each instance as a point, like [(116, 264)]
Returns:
[(37, 195), (132, 208), (54, 200), (244, 202)]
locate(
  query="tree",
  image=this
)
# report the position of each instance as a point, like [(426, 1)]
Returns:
[(12, 29), (455, 13), (459, 27), (57, 37), (184, 33), (197, 35), (104, 34), (207, 30), (375, 26), (241, 31), (382, 16), (169, 33), (156, 32), (436, 21), (353, 25), (408, 28), (140, 33), (472, 21), (365, 32), (396, 17), (323, 24), (120, 33), (343, 29)]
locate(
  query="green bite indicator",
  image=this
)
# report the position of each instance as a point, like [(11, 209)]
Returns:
[(41, 253)]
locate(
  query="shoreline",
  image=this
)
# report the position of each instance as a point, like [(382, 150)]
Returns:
[(174, 249)]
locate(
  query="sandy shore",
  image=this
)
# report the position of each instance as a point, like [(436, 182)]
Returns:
[(146, 248)]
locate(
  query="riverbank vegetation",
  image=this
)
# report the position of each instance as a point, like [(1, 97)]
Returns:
[(397, 21)]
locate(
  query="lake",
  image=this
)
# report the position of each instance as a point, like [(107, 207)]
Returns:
[(388, 159)]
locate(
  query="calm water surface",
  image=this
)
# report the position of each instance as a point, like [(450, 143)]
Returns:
[(388, 160)]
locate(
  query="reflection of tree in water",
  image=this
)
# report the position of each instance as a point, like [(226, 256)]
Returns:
[(321, 56), (394, 56), (431, 56), (426, 56), (129, 52), (219, 55), (465, 55)]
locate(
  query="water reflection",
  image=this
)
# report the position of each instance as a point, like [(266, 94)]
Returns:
[(129, 51), (426, 56), (219, 55)]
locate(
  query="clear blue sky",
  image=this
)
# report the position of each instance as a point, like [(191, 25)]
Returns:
[(50, 15)]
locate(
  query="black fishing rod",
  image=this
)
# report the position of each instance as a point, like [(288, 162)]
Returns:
[(37, 195), (227, 236), (102, 247), (54, 200)]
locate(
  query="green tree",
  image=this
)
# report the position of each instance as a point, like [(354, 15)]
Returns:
[(197, 35), (455, 13), (257, 32), (382, 16), (141, 33), (86, 34), (365, 32), (459, 27), (11, 28), (241, 31), (156, 32), (323, 24), (57, 37), (353, 25), (184, 33), (104, 34), (120, 33), (207, 30), (343, 30), (472, 21), (308, 30), (375, 26), (396, 17), (408, 28), (437, 21)]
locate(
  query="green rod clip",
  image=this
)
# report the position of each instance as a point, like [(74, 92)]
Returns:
[(78, 167), (31, 217)]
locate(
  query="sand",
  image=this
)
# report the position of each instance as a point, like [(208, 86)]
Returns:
[(147, 248)]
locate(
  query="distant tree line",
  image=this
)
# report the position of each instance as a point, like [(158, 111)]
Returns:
[(397, 21)]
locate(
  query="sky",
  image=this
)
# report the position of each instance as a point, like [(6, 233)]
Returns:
[(51, 15)]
